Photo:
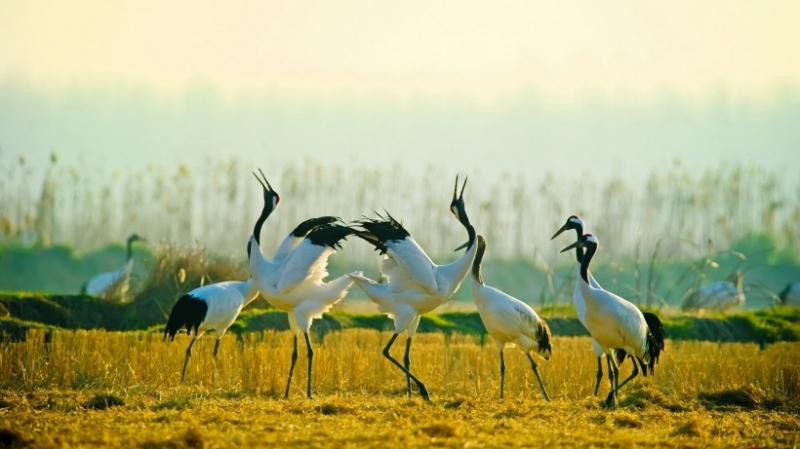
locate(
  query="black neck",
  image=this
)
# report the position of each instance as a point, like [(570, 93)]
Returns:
[(464, 219), (579, 250), (260, 222), (476, 264), (130, 249), (587, 259)]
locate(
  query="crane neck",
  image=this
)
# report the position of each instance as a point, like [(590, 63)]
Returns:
[(579, 250), (260, 222), (130, 250), (587, 259), (476, 264), (471, 234)]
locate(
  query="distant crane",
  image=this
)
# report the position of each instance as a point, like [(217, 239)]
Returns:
[(790, 296), (574, 222), (413, 283), (294, 280), (616, 323), (717, 296), (112, 284), (509, 321), (216, 306)]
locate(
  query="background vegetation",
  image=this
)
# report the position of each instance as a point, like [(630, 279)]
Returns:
[(658, 241)]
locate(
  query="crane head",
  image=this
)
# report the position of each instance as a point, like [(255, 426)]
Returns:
[(585, 241), (457, 205), (134, 237), (573, 222), (271, 197)]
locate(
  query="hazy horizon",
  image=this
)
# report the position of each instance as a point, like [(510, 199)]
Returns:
[(489, 89)]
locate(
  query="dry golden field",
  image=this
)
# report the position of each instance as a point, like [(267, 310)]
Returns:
[(91, 388)]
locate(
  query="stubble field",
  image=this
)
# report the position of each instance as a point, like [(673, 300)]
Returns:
[(91, 388)]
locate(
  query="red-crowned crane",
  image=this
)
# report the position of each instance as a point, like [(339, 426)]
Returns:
[(717, 296), (294, 280), (112, 284), (574, 222), (210, 307), (509, 321), (216, 306), (616, 323), (413, 283)]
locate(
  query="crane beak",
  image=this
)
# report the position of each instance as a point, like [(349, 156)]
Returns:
[(463, 186), (462, 247), (267, 187), (563, 228), (574, 245)]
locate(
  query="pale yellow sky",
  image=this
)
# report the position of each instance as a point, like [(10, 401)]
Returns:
[(473, 49)]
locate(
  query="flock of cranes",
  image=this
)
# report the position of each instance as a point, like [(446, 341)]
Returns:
[(294, 280)]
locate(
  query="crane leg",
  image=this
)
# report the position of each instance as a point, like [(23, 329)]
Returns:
[(310, 359), (214, 358), (407, 363), (186, 360), (599, 374), (502, 373), (291, 369), (538, 376), (611, 400), (422, 390), (629, 378)]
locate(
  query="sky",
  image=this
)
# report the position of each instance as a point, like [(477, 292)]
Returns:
[(509, 86)]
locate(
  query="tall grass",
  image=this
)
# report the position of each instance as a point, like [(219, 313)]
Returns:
[(351, 361), (680, 213)]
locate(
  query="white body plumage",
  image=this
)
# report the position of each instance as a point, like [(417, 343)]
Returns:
[(413, 284), (225, 301), (295, 281), (508, 320), (614, 322), (717, 296), (113, 284), (110, 284)]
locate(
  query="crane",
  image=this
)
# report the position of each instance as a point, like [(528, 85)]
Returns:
[(509, 321), (653, 321), (210, 307), (216, 306), (293, 281), (113, 284), (616, 323), (717, 296), (413, 283)]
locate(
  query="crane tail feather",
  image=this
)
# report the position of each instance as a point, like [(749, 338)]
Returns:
[(188, 312), (655, 341)]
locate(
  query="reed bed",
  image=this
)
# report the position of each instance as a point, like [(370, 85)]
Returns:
[(680, 213)]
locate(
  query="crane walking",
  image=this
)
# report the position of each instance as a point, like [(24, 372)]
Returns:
[(616, 323), (509, 321), (653, 322)]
